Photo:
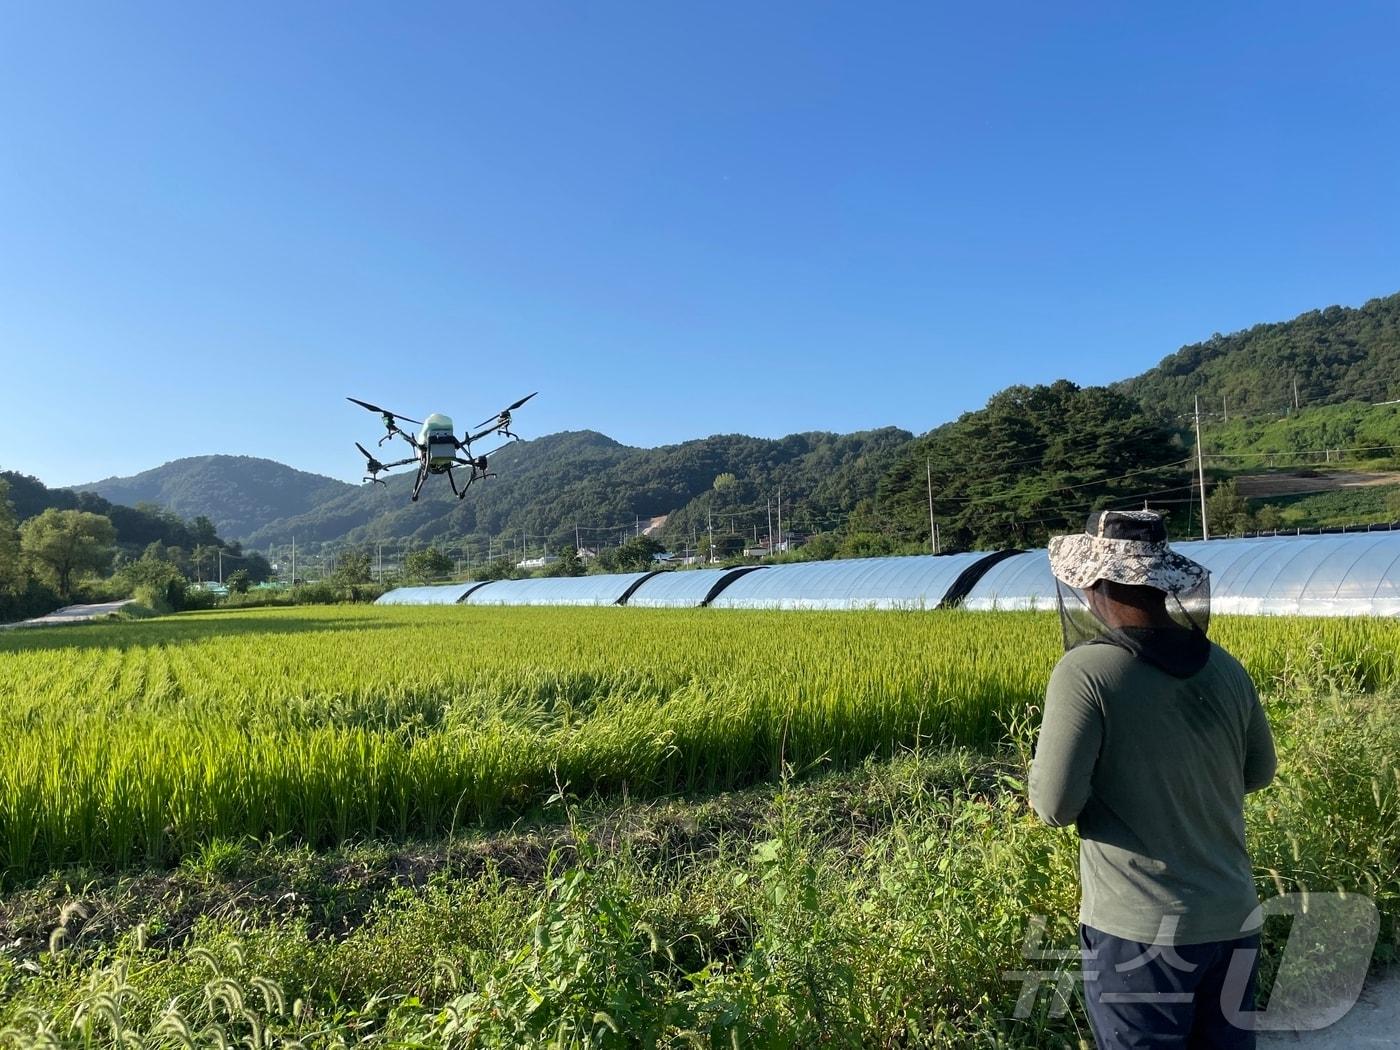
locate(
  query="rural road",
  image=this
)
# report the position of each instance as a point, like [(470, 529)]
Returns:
[(1374, 1022), (74, 614)]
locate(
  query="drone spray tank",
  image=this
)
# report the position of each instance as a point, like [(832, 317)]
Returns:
[(437, 437)]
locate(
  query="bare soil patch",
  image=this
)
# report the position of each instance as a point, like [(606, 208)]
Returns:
[(1296, 482)]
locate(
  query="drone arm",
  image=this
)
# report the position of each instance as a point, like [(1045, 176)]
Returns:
[(495, 428), (401, 433)]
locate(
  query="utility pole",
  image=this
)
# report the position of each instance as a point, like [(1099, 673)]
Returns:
[(1295, 393), (770, 524), (1225, 405), (932, 528), (780, 516), (710, 524), (1201, 472), (294, 561)]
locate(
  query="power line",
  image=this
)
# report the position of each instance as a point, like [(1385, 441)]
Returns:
[(1061, 488)]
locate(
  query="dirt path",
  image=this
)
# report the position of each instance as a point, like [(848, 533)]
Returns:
[(1254, 486), (74, 614)]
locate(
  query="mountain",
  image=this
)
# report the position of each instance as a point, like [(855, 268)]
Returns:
[(239, 494), (583, 480), (550, 490), (1338, 354), (533, 476)]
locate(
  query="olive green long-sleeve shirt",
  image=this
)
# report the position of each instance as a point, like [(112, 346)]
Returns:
[(1153, 771)]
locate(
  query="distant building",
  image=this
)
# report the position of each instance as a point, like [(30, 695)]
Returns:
[(537, 563), (764, 550)]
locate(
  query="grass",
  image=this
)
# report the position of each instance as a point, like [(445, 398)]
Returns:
[(879, 906), (429, 827), (1350, 506), (1294, 440)]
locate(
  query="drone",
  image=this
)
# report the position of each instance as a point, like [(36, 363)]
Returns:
[(437, 449)]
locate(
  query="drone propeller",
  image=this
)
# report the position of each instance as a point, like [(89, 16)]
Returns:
[(383, 411), (371, 464), (503, 416)]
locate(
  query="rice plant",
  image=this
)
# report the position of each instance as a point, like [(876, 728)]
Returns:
[(141, 742)]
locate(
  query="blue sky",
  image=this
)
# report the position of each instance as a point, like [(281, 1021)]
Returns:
[(672, 219)]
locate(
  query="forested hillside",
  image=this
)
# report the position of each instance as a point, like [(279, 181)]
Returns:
[(1032, 463), (1334, 355), (136, 527), (239, 494), (1345, 433), (583, 480)]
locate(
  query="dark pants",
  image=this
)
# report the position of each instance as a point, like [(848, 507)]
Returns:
[(1158, 996)]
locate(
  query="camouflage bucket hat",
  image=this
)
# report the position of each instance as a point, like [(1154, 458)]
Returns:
[(1124, 546)]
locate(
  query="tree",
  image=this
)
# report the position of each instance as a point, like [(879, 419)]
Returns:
[(155, 582), (11, 563), (569, 563), (1268, 518), (427, 564), (238, 581), (352, 567), (498, 569), (203, 556), (63, 543), (820, 546), (728, 544), (203, 533), (1226, 510), (1030, 464), (257, 567), (636, 555)]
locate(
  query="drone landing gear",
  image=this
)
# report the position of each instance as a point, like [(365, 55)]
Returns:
[(418, 483), (478, 471)]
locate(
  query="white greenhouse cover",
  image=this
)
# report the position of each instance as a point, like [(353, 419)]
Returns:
[(684, 588), (557, 590), (1335, 574), (437, 594), (916, 582)]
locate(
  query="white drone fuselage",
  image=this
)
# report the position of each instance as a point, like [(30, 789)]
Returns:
[(438, 442)]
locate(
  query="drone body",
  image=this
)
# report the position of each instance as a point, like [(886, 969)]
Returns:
[(437, 449)]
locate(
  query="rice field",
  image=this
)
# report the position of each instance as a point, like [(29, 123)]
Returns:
[(509, 827), (142, 742)]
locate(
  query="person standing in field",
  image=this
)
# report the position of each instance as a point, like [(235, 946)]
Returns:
[(1151, 738)]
